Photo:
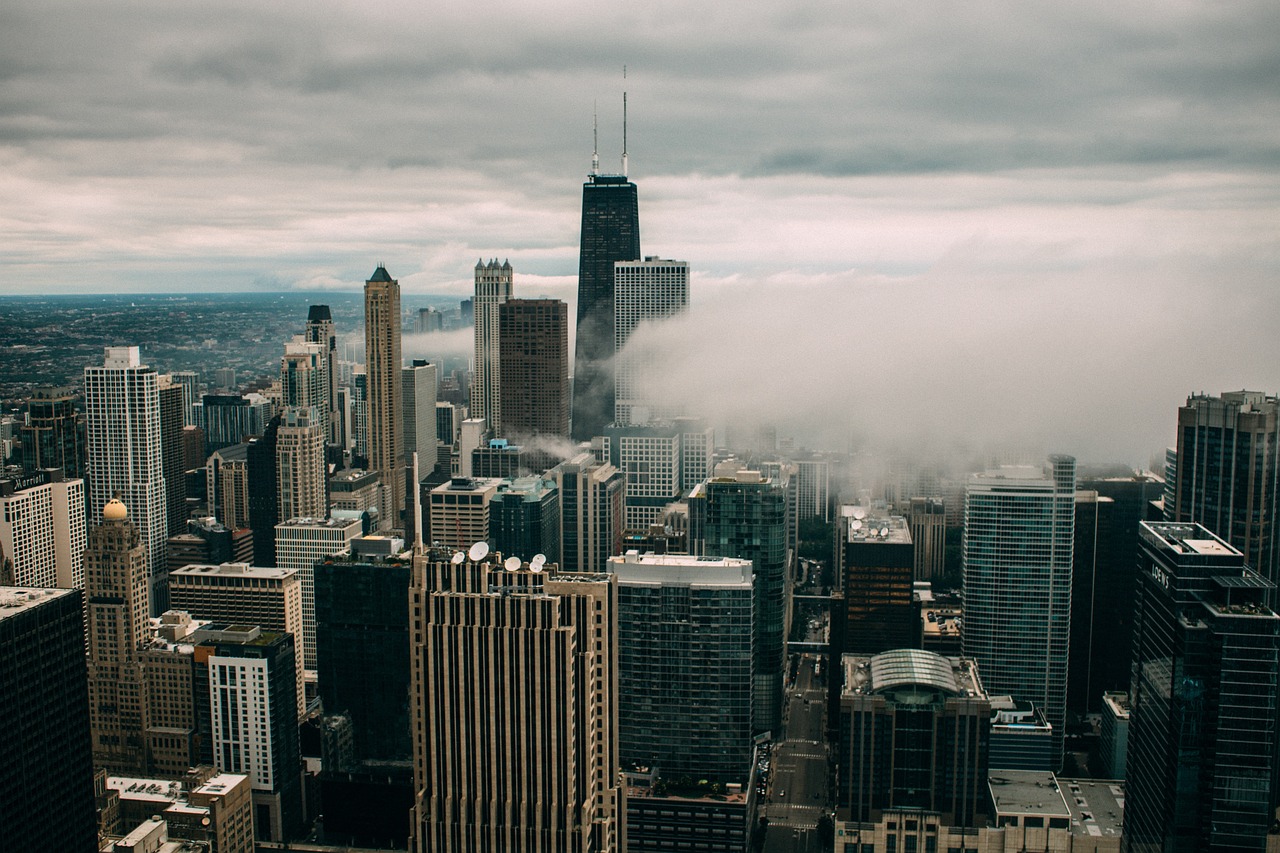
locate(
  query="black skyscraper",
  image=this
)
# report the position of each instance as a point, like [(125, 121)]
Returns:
[(264, 499), (610, 233)]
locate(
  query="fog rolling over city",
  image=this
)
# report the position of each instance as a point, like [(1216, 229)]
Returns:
[(965, 360)]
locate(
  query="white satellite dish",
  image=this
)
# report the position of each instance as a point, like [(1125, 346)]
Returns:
[(535, 565), (884, 531), (511, 564), (478, 551), (859, 512), (457, 558), (855, 524)]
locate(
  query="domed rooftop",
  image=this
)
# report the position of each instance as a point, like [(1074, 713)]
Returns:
[(115, 510)]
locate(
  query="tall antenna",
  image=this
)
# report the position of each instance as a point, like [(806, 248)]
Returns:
[(624, 121), (595, 138)]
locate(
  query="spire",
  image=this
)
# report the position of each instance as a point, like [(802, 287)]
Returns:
[(595, 140), (624, 121)]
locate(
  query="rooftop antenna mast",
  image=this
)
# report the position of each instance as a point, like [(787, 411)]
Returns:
[(624, 121), (595, 139)]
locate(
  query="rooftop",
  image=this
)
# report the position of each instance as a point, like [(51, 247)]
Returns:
[(910, 668), (16, 599), (237, 570), (1096, 805), (1027, 792)]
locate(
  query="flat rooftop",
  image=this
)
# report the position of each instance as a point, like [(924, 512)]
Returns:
[(149, 790), (869, 674), (232, 570), (1027, 792), (16, 599), (1097, 806), (871, 528)]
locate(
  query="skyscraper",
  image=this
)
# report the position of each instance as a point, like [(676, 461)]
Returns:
[(42, 529), (514, 707), (875, 559), (46, 767), (534, 368), (263, 493), (1202, 733), (300, 543), (610, 233), (53, 436), (420, 415), (385, 390), (646, 290), (320, 330), (743, 514), (1228, 473), (116, 591), (592, 511), (172, 426), (300, 464), (1017, 555), (304, 378), (493, 287), (125, 454)]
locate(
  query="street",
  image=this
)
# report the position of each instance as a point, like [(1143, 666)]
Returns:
[(798, 785)]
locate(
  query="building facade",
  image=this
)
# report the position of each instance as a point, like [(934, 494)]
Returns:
[(877, 563), (592, 502), (643, 291), (420, 415), (300, 544), (493, 287), (1017, 559), (534, 368), (42, 529), (301, 470), (385, 404)]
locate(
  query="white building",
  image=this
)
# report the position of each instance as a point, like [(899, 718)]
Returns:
[(642, 290), (42, 530), (300, 542), (122, 414), (493, 287), (300, 463), (304, 375), (420, 415), (1018, 538)]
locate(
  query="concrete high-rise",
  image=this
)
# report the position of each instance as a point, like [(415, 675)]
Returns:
[(493, 287), (643, 291), (514, 707), (875, 560), (172, 432), (125, 453), (300, 464), (42, 529), (420, 415), (46, 766), (386, 391), (300, 543), (534, 368), (610, 233), (304, 378), (1017, 558), (928, 521), (1202, 736), (116, 577), (320, 330), (1228, 473)]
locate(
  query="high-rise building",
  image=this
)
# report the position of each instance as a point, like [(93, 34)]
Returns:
[(913, 734), (743, 514), (46, 766), (459, 511), (386, 391), (263, 490), (534, 368), (208, 541), (354, 489), (300, 464), (250, 726), (1202, 735), (1228, 473), (420, 415), (125, 454), (514, 707), (231, 418), (190, 389), (652, 289), (53, 436), (304, 378), (592, 512), (320, 330), (876, 560), (116, 577), (1017, 556), (226, 477), (42, 529), (362, 647), (524, 518), (493, 287), (448, 421), (360, 413), (685, 674), (928, 520), (649, 456), (168, 675), (300, 544), (241, 594), (173, 402), (813, 489), (610, 233)]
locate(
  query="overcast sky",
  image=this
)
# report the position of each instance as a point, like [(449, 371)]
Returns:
[(1076, 202)]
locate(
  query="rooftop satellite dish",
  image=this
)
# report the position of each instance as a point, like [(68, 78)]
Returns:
[(884, 531), (457, 558), (535, 565), (478, 551), (859, 512), (856, 525), (511, 564)]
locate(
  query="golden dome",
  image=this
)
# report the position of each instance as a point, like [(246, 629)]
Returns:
[(115, 510)]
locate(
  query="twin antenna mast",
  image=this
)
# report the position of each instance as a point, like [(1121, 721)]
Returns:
[(595, 132)]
